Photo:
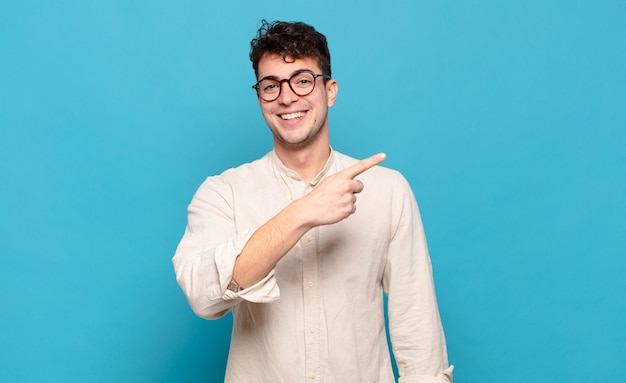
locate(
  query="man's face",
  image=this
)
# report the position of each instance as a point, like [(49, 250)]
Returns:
[(296, 121)]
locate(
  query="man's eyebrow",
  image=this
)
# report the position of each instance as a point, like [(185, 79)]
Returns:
[(301, 70), (295, 72)]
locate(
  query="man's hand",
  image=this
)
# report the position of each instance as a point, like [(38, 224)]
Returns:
[(334, 199)]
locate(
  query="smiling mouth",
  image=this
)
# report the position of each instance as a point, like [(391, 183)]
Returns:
[(291, 116)]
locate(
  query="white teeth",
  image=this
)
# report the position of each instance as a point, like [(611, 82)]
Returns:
[(291, 116)]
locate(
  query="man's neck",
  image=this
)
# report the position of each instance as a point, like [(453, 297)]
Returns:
[(307, 161)]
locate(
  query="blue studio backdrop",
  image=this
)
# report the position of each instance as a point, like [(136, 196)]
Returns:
[(507, 118)]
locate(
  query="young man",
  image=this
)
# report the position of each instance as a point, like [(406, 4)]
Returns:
[(280, 243)]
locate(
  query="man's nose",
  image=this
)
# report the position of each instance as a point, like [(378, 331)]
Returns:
[(286, 96)]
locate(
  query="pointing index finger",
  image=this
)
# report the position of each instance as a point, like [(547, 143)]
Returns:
[(364, 165)]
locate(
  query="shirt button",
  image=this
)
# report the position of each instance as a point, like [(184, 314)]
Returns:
[(312, 376), (309, 239), (312, 330), (310, 284)]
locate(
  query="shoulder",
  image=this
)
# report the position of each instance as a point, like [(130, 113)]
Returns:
[(247, 170), (238, 177), (243, 172)]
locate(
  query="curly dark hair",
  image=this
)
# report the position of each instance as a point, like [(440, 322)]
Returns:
[(297, 40)]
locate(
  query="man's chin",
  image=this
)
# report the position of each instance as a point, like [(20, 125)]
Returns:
[(293, 144)]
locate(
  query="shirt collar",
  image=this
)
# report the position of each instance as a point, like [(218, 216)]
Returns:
[(278, 164)]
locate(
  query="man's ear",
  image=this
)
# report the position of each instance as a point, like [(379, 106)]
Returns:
[(331, 91)]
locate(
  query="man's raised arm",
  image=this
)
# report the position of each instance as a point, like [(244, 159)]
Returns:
[(331, 201)]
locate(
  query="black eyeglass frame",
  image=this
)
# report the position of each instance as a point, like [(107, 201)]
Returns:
[(257, 86)]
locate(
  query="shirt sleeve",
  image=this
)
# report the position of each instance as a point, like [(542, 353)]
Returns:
[(205, 257), (417, 336)]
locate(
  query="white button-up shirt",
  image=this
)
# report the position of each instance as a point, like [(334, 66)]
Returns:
[(318, 315)]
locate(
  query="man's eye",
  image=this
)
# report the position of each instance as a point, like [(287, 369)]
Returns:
[(270, 87)]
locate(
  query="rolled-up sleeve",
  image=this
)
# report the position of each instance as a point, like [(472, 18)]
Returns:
[(415, 328), (205, 257)]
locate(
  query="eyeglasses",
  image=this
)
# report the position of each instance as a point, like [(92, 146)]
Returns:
[(301, 83)]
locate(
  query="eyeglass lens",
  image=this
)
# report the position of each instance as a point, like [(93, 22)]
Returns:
[(301, 84)]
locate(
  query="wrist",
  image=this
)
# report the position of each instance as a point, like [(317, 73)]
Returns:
[(234, 286)]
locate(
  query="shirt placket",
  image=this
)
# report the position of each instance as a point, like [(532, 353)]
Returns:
[(310, 285), (311, 304)]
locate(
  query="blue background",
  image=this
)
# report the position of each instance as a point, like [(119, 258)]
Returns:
[(507, 118)]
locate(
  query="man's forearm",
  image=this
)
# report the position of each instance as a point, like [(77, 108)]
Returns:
[(268, 245)]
